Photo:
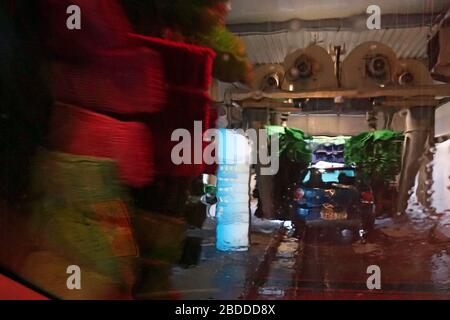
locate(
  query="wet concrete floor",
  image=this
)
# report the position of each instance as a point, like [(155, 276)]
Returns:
[(413, 265)]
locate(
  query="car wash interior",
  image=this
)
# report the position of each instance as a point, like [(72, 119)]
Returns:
[(210, 150)]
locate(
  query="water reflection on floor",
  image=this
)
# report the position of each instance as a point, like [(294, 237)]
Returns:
[(414, 263)]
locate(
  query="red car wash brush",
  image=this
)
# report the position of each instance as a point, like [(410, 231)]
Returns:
[(105, 68), (126, 81), (179, 115), (104, 26), (185, 65), (79, 131)]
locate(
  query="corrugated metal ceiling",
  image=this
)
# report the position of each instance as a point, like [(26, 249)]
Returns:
[(273, 48), (267, 28), (251, 11)]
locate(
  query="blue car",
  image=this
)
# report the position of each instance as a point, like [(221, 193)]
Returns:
[(336, 198)]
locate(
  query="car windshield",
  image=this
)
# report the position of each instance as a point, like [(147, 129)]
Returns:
[(317, 178)]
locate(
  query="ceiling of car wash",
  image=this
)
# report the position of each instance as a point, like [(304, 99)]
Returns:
[(273, 48), (252, 11), (271, 29)]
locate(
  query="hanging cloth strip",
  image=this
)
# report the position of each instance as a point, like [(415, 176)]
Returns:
[(78, 131), (161, 85)]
